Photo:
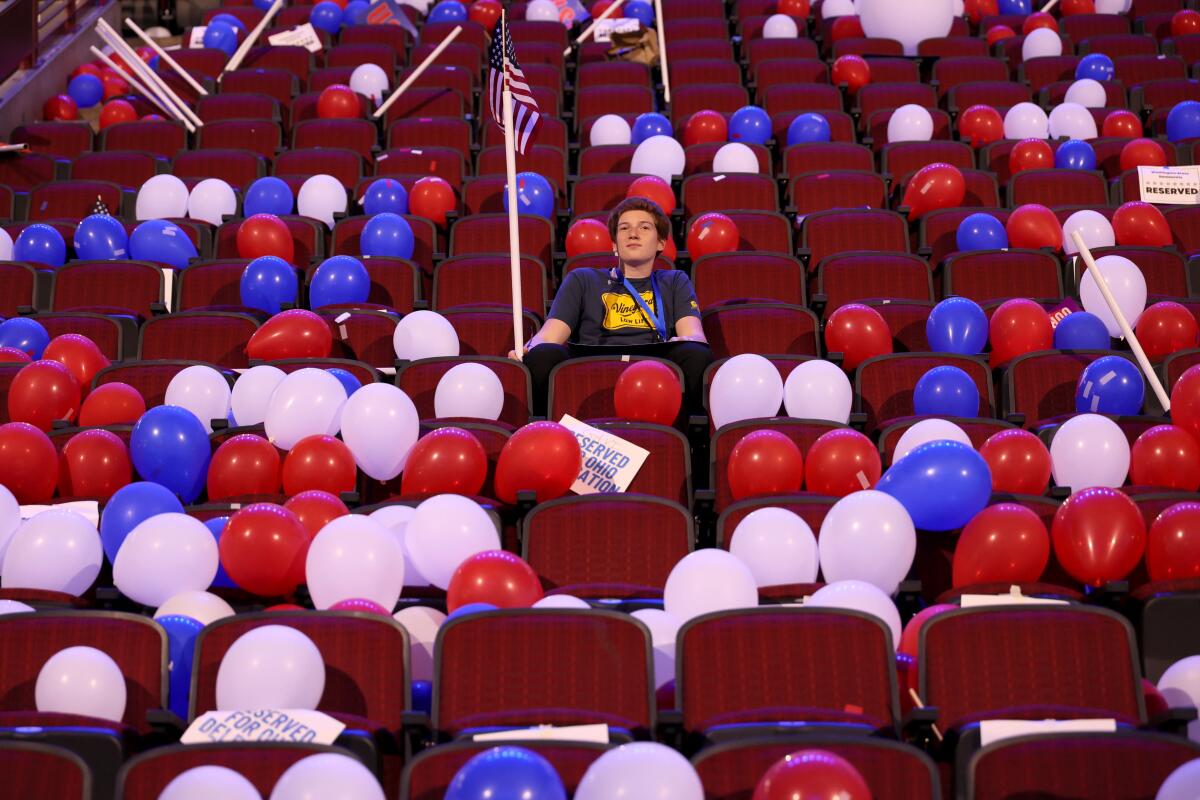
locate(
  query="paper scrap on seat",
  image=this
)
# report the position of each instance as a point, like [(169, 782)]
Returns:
[(1013, 598), (263, 725), (549, 733), (995, 730), (89, 509)]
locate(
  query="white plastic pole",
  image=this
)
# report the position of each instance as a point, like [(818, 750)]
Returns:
[(132, 81), (587, 32), (152, 89), (424, 65), (156, 83), (662, 49), (514, 231), (239, 55), (1046, 8), (165, 56)]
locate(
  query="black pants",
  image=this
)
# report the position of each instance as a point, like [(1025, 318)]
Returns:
[(692, 357)]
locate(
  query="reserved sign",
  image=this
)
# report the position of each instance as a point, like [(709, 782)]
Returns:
[(609, 462), (605, 28), (1173, 185), (301, 36), (263, 725)]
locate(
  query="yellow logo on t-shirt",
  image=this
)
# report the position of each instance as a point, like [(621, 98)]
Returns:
[(621, 310)]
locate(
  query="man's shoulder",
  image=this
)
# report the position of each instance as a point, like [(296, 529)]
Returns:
[(587, 276)]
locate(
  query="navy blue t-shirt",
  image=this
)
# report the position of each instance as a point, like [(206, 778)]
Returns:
[(599, 310)]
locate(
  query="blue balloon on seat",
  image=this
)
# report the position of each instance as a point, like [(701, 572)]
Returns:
[(810, 127), (471, 608), (342, 280), (1081, 330), (22, 333), (355, 12), (981, 232), (230, 20), (222, 36), (1110, 385), (181, 649), (387, 235), (957, 325), (1075, 154), (650, 124), (941, 484), (535, 195), (101, 238), (41, 244), (168, 445), (264, 5), (422, 696), (946, 391), (217, 526), (1096, 66), (163, 242), (447, 11), (86, 90), (326, 16), (1015, 6), (385, 194), (507, 773), (267, 283), (268, 195), (640, 10), (1183, 121), (350, 383), (130, 506), (750, 125)]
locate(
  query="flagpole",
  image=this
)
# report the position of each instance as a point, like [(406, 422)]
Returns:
[(510, 165), (416, 73), (662, 49), (587, 32)]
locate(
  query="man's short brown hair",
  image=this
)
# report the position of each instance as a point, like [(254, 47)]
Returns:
[(661, 223)]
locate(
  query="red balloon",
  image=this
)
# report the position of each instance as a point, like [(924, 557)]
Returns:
[(243, 465), (588, 236), (712, 233), (485, 12), (112, 404), (910, 638), (980, 125), (934, 186), (1142, 153), (496, 577), (79, 355), (42, 392), (90, 68), (1121, 124), (764, 462), (1165, 328), (653, 188), (814, 774), (648, 391), (361, 605), (1165, 456), (998, 33), (847, 27), (705, 126), (114, 86), (316, 509), (1019, 462), (1072, 7), (1185, 402), (841, 462), (793, 8), (1033, 226), (1038, 19), (853, 71), (60, 108), (445, 461), (669, 251), (976, 10), (338, 102), (1173, 544), (432, 198), (94, 464), (1030, 154), (115, 111), (295, 333), (28, 463), (263, 549), (265, 235), (1099, 535), (1138, 223), (1185, 23), (1017, 327), (543, 457), (11, 355), (285, 607), (319, 462), (1005, 543), (858, 332)]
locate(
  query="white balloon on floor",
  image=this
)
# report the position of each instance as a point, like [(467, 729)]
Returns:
[(380, 425), (81, 680), (320, 198), (354, 557), (252, 392), (163, 556), (161, 197), (640, 770), (424, 334), (1026, 121), (777, 546), (369, 80), (610, 129), (910, 123), (658, 155), (211, 200), (307, 402), (1089, 450), (447, 530), (908, 22), (469, 390), (818, 389), (746, 386), (868, 536), (928, 430), (201, 390)]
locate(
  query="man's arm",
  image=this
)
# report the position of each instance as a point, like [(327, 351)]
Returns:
[(689, 329), (553, 332)]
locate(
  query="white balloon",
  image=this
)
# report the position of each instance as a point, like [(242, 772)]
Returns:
[(1071, 120), (354, 556), (13, 607), (1088, 93), (640, 770), (959, 7), (736, 157), (469, 390), (380, 426), (270, 667), (706, 581), (163, 556), (818, 390), (204, 607), (6, 246), (663, 630), (422, 624), (1113, 6), (370, 81), (610, 129), (1184, 781), (161, 197), (1180, 687), (658, 155), (1041, 43), (81, 680), (746, 386), (320, 197), (1089, 450), (307, 402), (211, 200), (395, 519), (928, 430), (1128, 287), (910, 123), (327, 776), (780, 26), (1026, 121), (56, 550), (542, 11), (447, 530), (838, 8), (1093, 226), (859, 596), (562, 601), (868, 536), (424, 334), (10, 518), (207, 782), (909, 22), (201, 390), (252, 392), (777, 546)]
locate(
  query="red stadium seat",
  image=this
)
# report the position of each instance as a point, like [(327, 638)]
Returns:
[(430, 773), (419, 379), (986, 275), (215, 337), (583, 387), (124, 168), (883, 385), (773, 328), (33, 769), (722, 278), (145, 776), (64, 139), (851, 277)]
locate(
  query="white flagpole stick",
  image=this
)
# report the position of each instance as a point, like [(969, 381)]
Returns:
[(165, 56), (132, 81), (1046, 8), (587, 32), (119, 45), (411, 79), (150, 89), (662, 49), (239, 55), (514, 232), (1126, 331)]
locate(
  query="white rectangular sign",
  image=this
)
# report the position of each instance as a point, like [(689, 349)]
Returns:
[(605, 28), (301, 36), (197, 38), (1173, 185), (609, 462), (89, 509), (263, 725), (570, 733), (994, 730)]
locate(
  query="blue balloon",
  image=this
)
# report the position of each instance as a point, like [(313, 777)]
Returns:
[(129, 506), (1081, 330), (957, 325), (221, 36), (946, 392), (341, 280), (1096, 66), (640, 10), (941, 484), (24, 334), (534, 195), (506, 773), (231, 20), (810, 127), (355, 12), (422, 696), (1110, 385), (981, 232), (1075, 154), (268, 196), (264, 5), (447, 11), (101, 238), (168, 445), (651, 124), (161, 241), (385, 194), (267, 283), (41, 244), (217, 526), (1183, 121), (350, 383), (86, 90), (471, 608), (181, 648), (751, 125), (387, 235), (1015, 6), (326, 16)]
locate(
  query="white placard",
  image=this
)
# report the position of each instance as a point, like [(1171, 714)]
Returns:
[(605, 28), (1013, 598), (570, 733), (1173, 185), (197, 37), (263, 725), (301, 36), (609, 462), (994, 730), (89, 509)]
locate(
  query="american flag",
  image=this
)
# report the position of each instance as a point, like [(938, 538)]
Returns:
[(387, 12), (525, 109)]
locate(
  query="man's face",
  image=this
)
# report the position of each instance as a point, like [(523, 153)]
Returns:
[(637, 238)]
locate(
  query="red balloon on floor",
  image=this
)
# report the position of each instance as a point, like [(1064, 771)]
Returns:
[(793, 8), (1185, 401), (705, 127), (496, 577), (852, 70), (319, 462), (1004, 543), (28, 463), (117, 111), (764, 462), (653, 188), (338, 102), (1138, 223), (295, 333), (1166, 456), (812, 774), (1173, 544), (316, 509), (1017, 327), (648, 391), (1019, 462), (934, 186), (1122, 124), (432, 197), (980, 125), (1030, 154), (1142, 153), (712, 233), (847, 27), (485, 12), (1072, 7), (42, 392), (841, 462), (543, 457), (858, 332), (245, 464), (588, 236), (80, 356), (445, 461), (265, 235), (60, 108), (112, 404), (263, 549), (1165, 328), (1034, 226), (94, 464), (1099, 535)]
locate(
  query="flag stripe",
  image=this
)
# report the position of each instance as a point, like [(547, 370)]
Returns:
[(526, 114)]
